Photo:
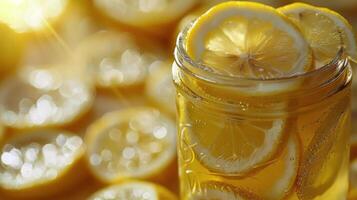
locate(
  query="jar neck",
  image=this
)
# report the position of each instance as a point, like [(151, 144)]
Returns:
[(242, 95)]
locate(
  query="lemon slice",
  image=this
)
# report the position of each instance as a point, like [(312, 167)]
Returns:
[(131, 143), (43, 96), (280, 175), (250, 40), (221, 191), (30, 15), (325, 30), (77, 17), (318, 171), (247, 144), (134, 190), (142, 13), (116, 59), (161, 90), (41, 163)]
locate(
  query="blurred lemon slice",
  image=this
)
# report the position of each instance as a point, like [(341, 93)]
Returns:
[(45, 96), (325, 30), (143, 13), (117, 60), (318, 172), (40, 163), (247, 144), (221, 191), (131, 143), (30, 15), (77, 17), (134, 190), (250, 40), (160, 88)]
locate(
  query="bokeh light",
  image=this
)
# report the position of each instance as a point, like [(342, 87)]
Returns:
[(30, 15)]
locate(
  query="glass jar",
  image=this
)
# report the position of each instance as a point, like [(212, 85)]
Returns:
[(262, 139)]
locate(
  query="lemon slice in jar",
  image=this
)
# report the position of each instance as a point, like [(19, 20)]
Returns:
[(248, 40), (248, 144), (281, 173), (221, 191), (134, 190), (325, 30), (142, 13), (41, 163), (131, 143)]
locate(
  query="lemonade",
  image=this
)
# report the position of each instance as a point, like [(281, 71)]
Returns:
[(261, 113)]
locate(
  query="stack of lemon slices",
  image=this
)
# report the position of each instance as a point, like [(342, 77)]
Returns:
[(254, 41)]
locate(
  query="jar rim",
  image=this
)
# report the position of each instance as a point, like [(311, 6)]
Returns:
[(201, 72)]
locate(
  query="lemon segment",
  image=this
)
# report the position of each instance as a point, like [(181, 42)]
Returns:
[(281, 173), (131, 143), (325, 30), (134, 190), (247, 144), (141, 13), (248, 40), (40, 163), (220, 191)]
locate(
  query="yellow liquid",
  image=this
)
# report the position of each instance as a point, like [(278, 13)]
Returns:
[(310, 161)]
